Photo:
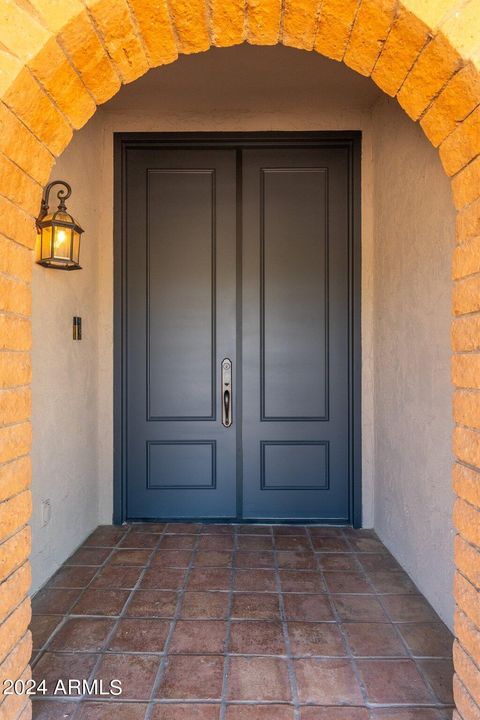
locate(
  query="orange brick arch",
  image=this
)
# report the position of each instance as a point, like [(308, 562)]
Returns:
[(59, 59)]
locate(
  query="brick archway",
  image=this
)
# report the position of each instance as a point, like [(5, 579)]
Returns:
[(58, 61)]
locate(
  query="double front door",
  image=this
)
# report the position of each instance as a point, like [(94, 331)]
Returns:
[(237, 332)]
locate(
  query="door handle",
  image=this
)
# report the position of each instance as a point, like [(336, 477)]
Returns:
[(226, 392)]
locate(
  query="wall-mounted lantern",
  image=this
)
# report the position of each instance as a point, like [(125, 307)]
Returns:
[(58, 242)]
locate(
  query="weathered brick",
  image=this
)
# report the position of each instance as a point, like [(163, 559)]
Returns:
[(370, 30), (466, 295), (466, 445), (15, 440), (17, 660), (467, 561), (9, 68), (431, 12), (15, 333), (455, 102), (466, 408), (14, 551), (462, 145), (402, 47), (227, 22), (116, 26), (154, 22), (13, 590), (15, 512), (14, 627), (15, 259), (82, 44), (466, 334), (299, 23), (190, 20), (334, 27), (468, 709), (466, 483), (467, 521), (467, 672), (466, 185), (16, 224), (466, 370), (56, 13), (20, 32), (54, 71), (15, 406), (466, 259), (17, 707), (21, 146), (434, 67), (19, 187), (468, 635), (263, 21), (467, 598), (15, 369), (468, 222), (15, 296), (15, 477)]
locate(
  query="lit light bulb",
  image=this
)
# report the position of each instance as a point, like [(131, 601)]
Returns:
[(60, 237)]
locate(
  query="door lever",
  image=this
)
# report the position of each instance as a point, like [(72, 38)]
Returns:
[(226, 393)]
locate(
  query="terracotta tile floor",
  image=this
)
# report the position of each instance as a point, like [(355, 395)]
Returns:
[(216, 622)]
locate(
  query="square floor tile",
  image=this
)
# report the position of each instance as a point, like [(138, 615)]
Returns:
[(296, 560), (378, 562), (254, 637), (250, 559), (150, 527), (89, 556), (334, 713), (130, 557), (199, 636), (258, 679), (307, 638), (140, 635), (185, 711), (205, 605), (307, 607), (209, 579), (374, 640), (192, 677), (411, 714), (171, 558), (393, 681), (139, 540), (359, 608), (256, 606), (178, 542), (338, 562), (183, 528), (213, 558), (408, 608), (327, 682), (53, 709), (366, 544), (152, 603), (53, 667), (217, 529), (112, 711), (83, 634), (431, 639), (255, 542), (388, 582), (439, 675), (216, 542), (255, 580), (53, 601), (73, 576), (42, 626), (116, 578), (301, 581), (289, 530), (341, 582), (259, 712), (254, 529), (101, 602), (330, 544), (292, 542), (136, 673), (160, 578)]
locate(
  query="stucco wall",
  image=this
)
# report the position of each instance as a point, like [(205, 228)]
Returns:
[(414, 232), (65, 388)]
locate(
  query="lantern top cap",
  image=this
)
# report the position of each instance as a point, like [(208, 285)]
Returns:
[(62, 194)]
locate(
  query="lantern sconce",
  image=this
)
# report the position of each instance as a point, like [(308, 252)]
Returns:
[(58, 240)]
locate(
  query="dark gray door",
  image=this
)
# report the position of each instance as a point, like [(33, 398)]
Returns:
[(181, 310), (287, 453), (295, 329)]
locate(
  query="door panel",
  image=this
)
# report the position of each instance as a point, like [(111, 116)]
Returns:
[(181, 312), (296, 334)]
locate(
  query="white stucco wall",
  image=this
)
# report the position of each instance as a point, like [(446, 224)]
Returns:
[(198, 94), (414, 233), (65, 387)]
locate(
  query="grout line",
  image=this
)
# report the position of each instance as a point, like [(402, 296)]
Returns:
[(226, 665)]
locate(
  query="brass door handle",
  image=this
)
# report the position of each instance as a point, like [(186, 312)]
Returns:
[(226, 393)]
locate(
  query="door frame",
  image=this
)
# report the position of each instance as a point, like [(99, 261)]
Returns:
[(349, 140)]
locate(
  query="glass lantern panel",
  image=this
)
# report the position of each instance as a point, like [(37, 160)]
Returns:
[(46, 243), (76, 247), (62, 243)]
